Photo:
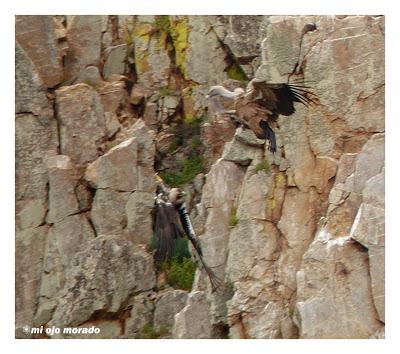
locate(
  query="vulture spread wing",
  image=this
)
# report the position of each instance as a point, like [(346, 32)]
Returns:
[(263, 102), (280, 98), (166, 229)]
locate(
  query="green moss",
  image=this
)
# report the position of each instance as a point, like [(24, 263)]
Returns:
[(235, 72), (162, 24), (141, 63), (180, 33), (280, 180), (190, 168), (143, 31), (262, 166), (271, 203), (149, 332), (189, 119), (195, 142), (180, 273), (165, 91), (233, 219), (127, 36), (176, 141)]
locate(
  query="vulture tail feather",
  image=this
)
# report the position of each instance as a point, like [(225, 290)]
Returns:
[(304, 96), (301, 99), (306, 90), (214, 280), (187, 226)]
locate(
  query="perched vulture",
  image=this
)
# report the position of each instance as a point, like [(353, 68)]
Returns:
[(261, 103), (170, 222)]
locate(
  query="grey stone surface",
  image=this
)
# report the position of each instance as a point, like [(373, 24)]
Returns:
[(141, 315), (193, 320), (128, 166), (81, 122), (115, 60), (42, 49), (106, 264), (62, 182), (167, 305), (204, 56), (29, 246), (84, 40)]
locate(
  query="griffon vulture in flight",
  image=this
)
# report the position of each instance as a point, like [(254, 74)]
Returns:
[(259, 106), (170, 222)]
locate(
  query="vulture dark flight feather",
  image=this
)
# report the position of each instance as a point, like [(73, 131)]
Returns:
[(259, 106), (170, 222)]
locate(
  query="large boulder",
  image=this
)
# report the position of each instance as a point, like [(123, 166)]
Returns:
[(29, 246), (167, 305), (37, 36), (36, 139), (141, 315), (84, 41), (30, 94), (204, 57), (125, 185), (152, 60), (193, 321), (81, 122), (369, 230), (115, 60), (103, 277), (62, 182), (335, 269), (66, 237)]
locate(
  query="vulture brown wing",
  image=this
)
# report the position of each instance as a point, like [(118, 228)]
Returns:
[(251, 113), (281, 97), (167, 230)]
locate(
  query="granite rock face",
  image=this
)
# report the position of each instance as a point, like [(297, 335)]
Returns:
[(38, 37), (83, 35), (296, 238), (193, 322), (167, 305), (81, 122), (306, 229), (107, 263)]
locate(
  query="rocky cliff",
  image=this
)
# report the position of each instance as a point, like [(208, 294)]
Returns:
[(297, 237)]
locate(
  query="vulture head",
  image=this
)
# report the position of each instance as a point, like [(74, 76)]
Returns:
[(176, 196), (221, 91)]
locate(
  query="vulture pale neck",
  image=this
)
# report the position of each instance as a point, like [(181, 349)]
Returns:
[(223, 92)]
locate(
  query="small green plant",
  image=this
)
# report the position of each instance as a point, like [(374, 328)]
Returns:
[(149, 332), (190, 168), (195, 142), (189, 119), (175, 142), (180, 269), (262, 166), (233, 219), (180, 273), (165, 91), (162, 23), (236, 72)]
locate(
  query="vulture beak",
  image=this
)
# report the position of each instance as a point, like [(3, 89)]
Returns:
[(207, 97)]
